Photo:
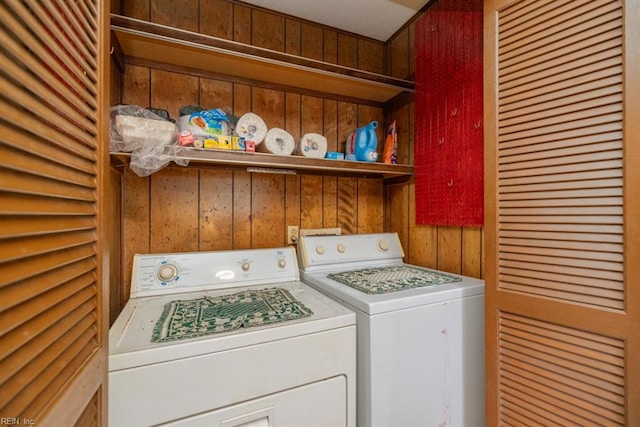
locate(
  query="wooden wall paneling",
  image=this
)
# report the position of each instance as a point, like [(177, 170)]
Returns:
[(215, 218), (216, 18), (311, 186), (267, 30), (399, 59), (268, 104), (140, 9), (312, 42), (472, 251), (136, 211), (371, 56), (292, 36), (136, 85), (423, 240), (370, 205), (292, 192), (347, 187), (171, 91), (450, 249), (347, 122), (174, 210), (179, 14), (215, 94), (347, 50), (330, 48), (397, 213), (241, 23), (241, 210), (330, 183), (267, 210), (348, 205)]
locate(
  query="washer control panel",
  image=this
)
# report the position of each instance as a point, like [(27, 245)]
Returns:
[(155, 274), (328, 250)]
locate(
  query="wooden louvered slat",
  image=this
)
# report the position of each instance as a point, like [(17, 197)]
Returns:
[(560, 292), (39, 330), (16, 361), (557, 412), (71, 76), (52, 363), (601, 150), (51, 137), (50, 281), (595, 385), (37, 225), (14, 204), (24, 268), (554, 389), (563, 51), (64, 52), (558, 137), (21, 140), (577, 23), (522, 12), (29, 63), (608, 288), (28, 310), (528, 343), (22, 161), (40, 109), (68, 26)]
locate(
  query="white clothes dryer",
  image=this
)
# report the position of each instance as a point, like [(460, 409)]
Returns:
[(420, 331), (230, 339)]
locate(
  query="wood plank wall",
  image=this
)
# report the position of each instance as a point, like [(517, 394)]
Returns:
[(192, 209)]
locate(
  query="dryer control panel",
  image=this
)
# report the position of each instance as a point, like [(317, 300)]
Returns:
[(155, 274), (332, 250)]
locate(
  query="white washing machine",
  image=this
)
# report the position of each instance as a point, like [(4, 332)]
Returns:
[(420, 331), (230, 338)]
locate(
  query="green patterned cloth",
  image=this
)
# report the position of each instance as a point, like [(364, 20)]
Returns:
[(183, 319), (381, 280)]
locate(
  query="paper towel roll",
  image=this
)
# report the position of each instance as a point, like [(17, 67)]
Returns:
[(278, 141), (312, 145), (251, 127)]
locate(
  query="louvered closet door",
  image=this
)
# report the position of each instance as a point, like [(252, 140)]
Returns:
[(562, 213), (52, 319)]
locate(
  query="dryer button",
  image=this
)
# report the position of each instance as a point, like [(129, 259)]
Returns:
[(341, 248), (319, 250), (383, 245)]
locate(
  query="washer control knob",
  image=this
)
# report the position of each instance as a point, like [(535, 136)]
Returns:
[(341, 248), (282, 263), (383, 245), (245, 266), (167, 272), (320, 250)]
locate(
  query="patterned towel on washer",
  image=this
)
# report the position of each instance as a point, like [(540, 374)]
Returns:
[(381, 280), (183, 319)]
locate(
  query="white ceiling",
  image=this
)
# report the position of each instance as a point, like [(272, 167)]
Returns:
[(378, 19)]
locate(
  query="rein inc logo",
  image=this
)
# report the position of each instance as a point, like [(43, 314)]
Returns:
[(6, 421)]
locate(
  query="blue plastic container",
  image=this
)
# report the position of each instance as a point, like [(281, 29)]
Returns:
[(362, 144)]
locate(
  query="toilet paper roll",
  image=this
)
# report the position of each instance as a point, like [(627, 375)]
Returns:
[(278, 141), (312, 145), (251, 127)]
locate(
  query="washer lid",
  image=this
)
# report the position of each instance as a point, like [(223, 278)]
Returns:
[(130, 337), (373, 304)]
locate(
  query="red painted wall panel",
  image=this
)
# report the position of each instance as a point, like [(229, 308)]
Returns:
[(448, 114)]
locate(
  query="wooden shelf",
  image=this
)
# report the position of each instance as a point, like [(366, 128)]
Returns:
[(271, 163), (155, 43)]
